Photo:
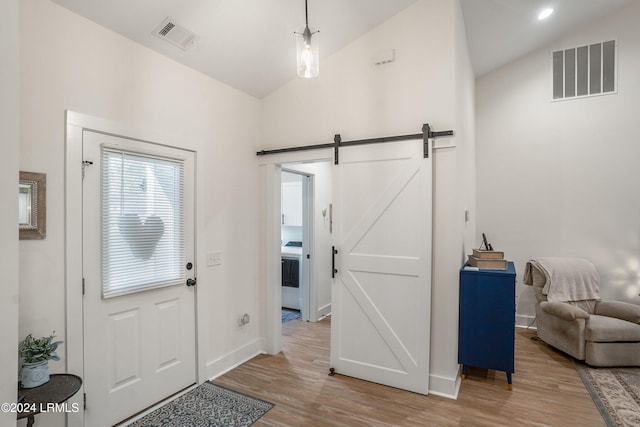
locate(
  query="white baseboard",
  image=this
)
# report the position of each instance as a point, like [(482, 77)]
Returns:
[(525, 321), (233, 359), (323, 311), (444, 387)]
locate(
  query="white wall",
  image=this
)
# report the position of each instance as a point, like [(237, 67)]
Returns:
[(561, 178), (454, 179), (358, 100), (68, 62), (9, 135)]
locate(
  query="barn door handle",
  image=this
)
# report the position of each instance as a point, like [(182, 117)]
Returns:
[(192, 282), (334, 270)]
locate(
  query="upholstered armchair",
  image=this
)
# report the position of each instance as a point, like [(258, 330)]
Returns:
[(571, 316)]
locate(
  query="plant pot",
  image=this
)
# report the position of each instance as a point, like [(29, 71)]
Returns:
[(34, 374)]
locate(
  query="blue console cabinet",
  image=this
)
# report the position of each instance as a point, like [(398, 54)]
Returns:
[(487, 319)]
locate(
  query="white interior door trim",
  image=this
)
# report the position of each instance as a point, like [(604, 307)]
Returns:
[(308, 245), (76, 123), (273, 254)]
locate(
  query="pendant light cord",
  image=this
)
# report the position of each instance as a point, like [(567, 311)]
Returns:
[(306, 13)]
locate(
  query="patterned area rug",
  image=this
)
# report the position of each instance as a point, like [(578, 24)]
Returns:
[(289, 315), (207, 405), (615, 391)]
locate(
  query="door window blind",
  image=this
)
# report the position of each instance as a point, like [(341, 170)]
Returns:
[(142, 222)]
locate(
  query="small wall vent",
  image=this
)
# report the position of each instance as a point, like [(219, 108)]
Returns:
[(175, 34), (384, 57), (584, 71)]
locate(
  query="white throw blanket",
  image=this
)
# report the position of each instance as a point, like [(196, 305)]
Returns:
[(568, 279)]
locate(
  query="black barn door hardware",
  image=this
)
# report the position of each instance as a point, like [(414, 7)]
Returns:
[(290, 149), (334, 270), (426, 134)]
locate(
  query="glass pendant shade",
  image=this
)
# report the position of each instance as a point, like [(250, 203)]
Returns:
[(307, 41)]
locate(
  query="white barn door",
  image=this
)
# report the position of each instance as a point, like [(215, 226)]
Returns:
[(139, 335), (381, 296)]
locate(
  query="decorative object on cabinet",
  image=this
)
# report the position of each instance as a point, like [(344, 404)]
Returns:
[(484, 254), (487, 259), (487, 319), (572, 318), (487, 264), (487, 245), (32, 206)]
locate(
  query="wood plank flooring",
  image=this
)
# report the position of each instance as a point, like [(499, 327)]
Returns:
[(546, 390)]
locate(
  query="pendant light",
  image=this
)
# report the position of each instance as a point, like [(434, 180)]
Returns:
[(307, 49)]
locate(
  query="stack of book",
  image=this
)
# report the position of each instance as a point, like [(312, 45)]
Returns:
[(488, 260)]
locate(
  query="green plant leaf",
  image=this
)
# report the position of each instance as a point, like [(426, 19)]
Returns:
[(34, 350)]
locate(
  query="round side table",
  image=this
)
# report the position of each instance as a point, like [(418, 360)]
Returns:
[(59, 388)]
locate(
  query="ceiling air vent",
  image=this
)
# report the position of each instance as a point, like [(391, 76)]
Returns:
[(584, 71), (175, 34)]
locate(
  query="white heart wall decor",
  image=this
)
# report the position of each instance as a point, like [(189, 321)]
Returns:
[(141, 237)]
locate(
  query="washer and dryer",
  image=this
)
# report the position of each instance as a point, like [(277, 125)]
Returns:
[(292, 275)]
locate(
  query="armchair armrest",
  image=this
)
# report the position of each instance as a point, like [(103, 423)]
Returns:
[(619, 310), (564, 311)]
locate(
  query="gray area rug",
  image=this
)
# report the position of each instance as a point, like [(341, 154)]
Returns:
[(616, 393), (288, 315), (207, 405)]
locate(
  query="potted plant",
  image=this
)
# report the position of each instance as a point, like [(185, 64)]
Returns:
[(35, 354)]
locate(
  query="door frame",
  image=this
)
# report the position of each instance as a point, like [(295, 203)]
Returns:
[(272, 167), (308, 203), (75, 125)]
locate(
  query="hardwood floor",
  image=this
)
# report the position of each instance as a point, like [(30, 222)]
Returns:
[(546, 390)]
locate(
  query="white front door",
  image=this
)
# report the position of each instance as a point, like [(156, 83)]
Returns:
[(139, 314), (381, 297)]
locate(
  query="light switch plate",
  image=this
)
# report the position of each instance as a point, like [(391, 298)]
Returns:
[(214, 258)]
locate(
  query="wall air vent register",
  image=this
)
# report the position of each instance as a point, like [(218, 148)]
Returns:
[(585, 71)]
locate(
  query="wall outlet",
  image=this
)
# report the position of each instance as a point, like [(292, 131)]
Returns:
[(244, 319), (214, 258)]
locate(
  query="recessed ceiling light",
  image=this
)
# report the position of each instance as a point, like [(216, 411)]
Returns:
[(545, 13)]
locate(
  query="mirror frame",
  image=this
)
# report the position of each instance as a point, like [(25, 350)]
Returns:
[(39, 206)]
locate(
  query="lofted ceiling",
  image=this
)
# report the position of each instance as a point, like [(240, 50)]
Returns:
[(499, 31), (250, 45)]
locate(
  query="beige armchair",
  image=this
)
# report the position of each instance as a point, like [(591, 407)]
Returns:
[(571, 317)]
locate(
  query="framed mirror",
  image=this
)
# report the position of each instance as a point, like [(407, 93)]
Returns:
[(32, 208)]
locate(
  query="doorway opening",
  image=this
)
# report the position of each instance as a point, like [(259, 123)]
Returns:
[(378, 226), (305, 198), (296, 207)]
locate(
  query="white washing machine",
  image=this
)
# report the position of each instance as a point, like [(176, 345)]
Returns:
[(292, 275)]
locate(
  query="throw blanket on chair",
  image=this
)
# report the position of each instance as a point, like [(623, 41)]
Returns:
[(568, 279)]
